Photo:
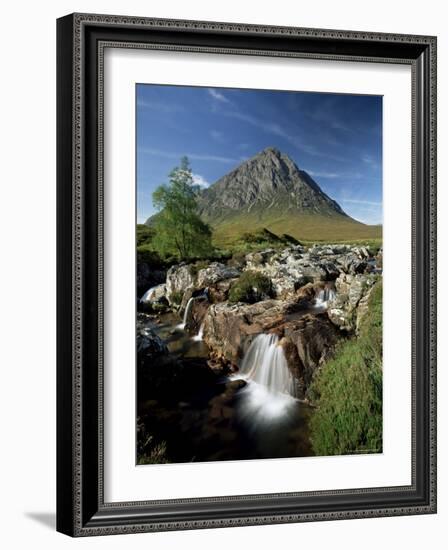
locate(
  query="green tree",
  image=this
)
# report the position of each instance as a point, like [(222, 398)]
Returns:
[(178, 228)]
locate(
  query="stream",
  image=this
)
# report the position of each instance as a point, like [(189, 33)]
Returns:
[(250, 414)]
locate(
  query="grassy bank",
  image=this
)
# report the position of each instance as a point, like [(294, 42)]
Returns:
[(348, 391)]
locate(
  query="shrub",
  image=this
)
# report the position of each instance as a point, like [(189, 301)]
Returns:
[(348, 391), (176, 298), (261, 236), (250, 287)]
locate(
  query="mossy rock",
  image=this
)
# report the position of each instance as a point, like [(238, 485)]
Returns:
[(251, 287)]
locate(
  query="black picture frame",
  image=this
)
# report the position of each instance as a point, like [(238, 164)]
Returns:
[(81, 510)]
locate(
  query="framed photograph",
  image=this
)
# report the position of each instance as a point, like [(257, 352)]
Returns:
[(246, 274)]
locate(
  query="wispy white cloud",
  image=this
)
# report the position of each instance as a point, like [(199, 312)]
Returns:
[(366, 211), (277, 130), (191, 156), (200, 180), (219, 96), (336, 175), (329, 175), (361, 201), (367, 159)]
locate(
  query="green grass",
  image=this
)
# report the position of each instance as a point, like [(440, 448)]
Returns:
[(154, 453), (310, 228), (348, 391)]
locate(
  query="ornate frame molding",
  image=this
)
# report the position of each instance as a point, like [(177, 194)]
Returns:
[(81, 42)]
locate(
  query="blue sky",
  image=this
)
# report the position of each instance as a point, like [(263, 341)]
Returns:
[(336, 138)]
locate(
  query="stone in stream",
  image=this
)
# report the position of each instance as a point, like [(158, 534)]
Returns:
[(149, 345)]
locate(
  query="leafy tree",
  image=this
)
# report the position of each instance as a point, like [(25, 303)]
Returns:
[(178, 228)]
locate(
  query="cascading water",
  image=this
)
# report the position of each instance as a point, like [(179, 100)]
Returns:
[(324, 296), (265, 363), (270, 390), (147, 296), (200, 335), (181, 326)]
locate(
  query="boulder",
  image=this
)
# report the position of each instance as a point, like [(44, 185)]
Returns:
[(294, 267), (262, 257), (183, 282), (149, 344), (307, 339), (179, 279), (307, 343), (351, 299), (219, 292), (338, 312), (196, 313), (230, 328), (306, 294), (215, 273), (154, 294)]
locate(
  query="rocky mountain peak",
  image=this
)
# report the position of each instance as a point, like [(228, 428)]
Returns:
[(269, 180)]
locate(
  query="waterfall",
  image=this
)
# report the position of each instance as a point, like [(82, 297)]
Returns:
[(269, 396), (200, 335), (181, 326), (324, 296), (147, 296), (265, 363)]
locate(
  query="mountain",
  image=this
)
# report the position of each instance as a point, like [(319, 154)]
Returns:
[(270, 191), (268, 181)]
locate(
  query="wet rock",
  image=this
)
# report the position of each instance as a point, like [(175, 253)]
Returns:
[(308, 342), (149, 344), (229, 328), (196, 313), (154, 294), (306, 294)]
